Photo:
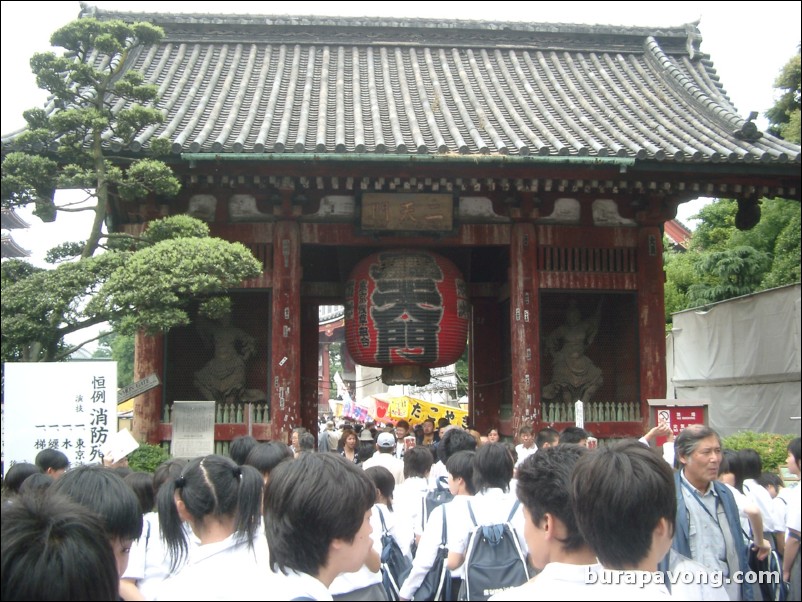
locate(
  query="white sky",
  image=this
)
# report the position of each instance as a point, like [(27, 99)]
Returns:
[(748, 42)]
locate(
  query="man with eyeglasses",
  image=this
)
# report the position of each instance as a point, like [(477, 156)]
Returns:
[(708, 528)]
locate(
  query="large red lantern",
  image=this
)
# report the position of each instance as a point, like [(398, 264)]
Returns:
[(406, 311)]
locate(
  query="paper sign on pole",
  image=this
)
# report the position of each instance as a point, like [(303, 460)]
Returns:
[(579, 414), (118, 445), (193, 429)]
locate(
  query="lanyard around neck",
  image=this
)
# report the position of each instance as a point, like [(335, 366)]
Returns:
[(695, 495)]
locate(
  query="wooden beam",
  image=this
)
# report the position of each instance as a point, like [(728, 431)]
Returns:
[(148, 359)]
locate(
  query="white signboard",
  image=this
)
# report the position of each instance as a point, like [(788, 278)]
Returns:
[(137, 388), (193, 429), (69, 406)]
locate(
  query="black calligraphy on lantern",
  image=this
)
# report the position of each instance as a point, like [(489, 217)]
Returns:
[(406, 307)]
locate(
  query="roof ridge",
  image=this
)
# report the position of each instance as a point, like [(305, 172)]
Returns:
[(680, 30)]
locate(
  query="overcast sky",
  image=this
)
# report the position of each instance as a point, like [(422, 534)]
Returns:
[(749, 43)]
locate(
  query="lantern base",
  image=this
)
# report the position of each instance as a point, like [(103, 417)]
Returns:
[(406, 375)]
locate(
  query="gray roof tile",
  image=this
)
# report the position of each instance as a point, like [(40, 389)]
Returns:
[(296, 85)]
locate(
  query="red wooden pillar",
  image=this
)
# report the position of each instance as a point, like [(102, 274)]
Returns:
[(310, 355), (324, 375), (148, 359), (651, 317), (285, 343), (486, 386), (524, 313)]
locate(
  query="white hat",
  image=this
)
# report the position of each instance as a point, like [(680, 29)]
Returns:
[(386, 440), (365, 435)]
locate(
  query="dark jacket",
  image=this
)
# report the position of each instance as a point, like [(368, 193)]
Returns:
[(681, 533)]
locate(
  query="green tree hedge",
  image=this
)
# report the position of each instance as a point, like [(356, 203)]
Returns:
[(773, 448), (147, 458)]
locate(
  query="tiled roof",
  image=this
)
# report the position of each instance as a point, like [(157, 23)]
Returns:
[(10, 220), (259, 85), (10, 248)]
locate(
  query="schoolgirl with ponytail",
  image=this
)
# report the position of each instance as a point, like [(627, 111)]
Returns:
[(221, 502)]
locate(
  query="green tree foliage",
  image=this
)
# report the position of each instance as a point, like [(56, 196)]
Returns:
[(69, 145), (784, 115), (681, 274), (153, 282), (730, 273), (154, 285), (724, 262)]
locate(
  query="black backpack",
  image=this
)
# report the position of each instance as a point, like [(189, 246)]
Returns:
[(394, 565), (494, 560), (434, 498), (436, 585)]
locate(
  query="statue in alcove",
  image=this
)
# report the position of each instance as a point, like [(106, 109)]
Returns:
[(574, 375), (223, 378)]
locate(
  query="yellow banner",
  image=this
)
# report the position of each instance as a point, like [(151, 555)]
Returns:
[(416, 411)]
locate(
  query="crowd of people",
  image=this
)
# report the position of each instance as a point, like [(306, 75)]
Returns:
[(304, 521)]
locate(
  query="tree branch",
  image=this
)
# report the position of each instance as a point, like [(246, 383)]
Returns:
[(70, 328), (70, 350)]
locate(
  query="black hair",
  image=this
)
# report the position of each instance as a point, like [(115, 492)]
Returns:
[(546, 435), (544, 487), (619, 493), (264, 457), (306, 441), (452, 441), (731, 462), (240, 447), (751, 462), (104, 492), (55, 549), (169, 470), (37, 483), (52, 458), (210, 485), (309, 503), (15, 476), (512, 451), (492, 467), (384, 481), (525, 429), (795, 449), (417, 462), (403, 424), (770, 479), (365, 450), (443, 422), (460, 466), (573, 434), (141, 483)]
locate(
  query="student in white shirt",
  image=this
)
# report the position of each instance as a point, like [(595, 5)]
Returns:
[(317, 520), (556, 547), (460, 483), (527, 445), (149, 561), (791, 562), (492, 504), (623, 498), (408, 495), (220, 500), (366, 583)]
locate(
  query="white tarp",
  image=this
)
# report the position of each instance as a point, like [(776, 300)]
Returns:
[(744, 356)]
